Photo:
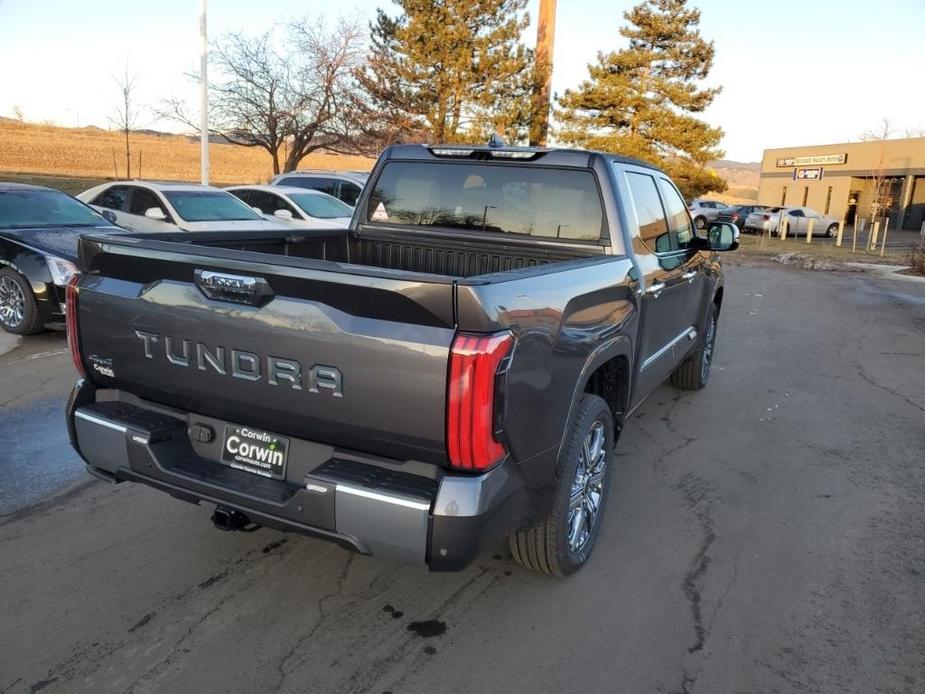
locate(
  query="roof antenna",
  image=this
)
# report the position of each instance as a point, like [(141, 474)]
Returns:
[(495, 141)]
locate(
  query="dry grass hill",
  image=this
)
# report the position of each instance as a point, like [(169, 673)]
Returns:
[(30, 151), (73, 159)]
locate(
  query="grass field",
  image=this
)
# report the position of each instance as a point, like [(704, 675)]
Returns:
[(761, 247), (77, 158)]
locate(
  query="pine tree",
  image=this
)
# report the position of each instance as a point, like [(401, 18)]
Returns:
[(639, 101), (450, 70)]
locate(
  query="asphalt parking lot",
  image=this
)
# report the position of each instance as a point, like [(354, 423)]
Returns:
[(764, 535)]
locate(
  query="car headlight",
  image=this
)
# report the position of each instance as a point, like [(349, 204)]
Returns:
[(61, 270)]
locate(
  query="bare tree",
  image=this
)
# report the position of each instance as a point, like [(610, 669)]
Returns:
[(289, 91), (17, 113), (915, 131), (126, 114), (879, 185)]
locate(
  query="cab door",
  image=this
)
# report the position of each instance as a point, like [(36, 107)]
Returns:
[(669, 287)]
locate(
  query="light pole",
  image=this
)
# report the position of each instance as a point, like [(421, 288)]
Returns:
[(542, 88), (203, 94)]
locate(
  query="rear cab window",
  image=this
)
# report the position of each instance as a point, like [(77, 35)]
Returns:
[(563, 204)]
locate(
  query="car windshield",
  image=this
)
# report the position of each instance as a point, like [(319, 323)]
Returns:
[(321, 206), (209, 206), (20, 209)]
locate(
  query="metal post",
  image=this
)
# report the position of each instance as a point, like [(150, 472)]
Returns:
[(886, 228), (203, 94), (874, 234), (809, 230), (923, 232), (854, 234), (841, 231)]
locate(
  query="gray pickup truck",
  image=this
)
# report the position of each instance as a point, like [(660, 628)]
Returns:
[(454, 368)]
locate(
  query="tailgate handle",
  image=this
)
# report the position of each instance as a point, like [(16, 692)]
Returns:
[(238, 289)]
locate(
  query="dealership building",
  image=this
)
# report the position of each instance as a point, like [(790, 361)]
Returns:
[(840, 180)]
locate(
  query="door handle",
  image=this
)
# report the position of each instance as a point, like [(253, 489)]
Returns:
[(689, 275), (655, 289)]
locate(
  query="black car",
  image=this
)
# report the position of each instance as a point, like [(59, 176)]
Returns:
[(738, 213), (39, 230)]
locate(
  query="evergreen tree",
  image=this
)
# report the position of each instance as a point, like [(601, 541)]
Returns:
[(450, 70), (639, 101)]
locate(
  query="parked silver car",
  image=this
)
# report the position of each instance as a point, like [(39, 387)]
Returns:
[(705, 211), (798, 218)]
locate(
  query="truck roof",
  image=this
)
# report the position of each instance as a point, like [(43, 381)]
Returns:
[(546, 156)]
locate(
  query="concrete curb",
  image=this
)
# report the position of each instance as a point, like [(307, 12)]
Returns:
[(890, 272)]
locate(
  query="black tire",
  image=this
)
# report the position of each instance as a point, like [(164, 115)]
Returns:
[(546, 547), (831, 231), (694, 372), (30, 322), (700, 222)]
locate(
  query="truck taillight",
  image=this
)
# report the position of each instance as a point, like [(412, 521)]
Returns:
[(70, 318), (477, 363)]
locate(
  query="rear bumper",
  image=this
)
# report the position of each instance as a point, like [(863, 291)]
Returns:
[(364, 503)]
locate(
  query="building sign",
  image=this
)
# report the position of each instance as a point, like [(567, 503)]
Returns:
[(811, 174), (812, 160)]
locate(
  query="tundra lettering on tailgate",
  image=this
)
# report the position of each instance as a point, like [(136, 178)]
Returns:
[(246, 366)]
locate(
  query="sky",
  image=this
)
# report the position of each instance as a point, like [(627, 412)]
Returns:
[(793, 72)]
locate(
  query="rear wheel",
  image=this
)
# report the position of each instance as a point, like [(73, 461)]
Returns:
[(700, 222), (832, 230), (562, 542), (694, 372), (19, 313)]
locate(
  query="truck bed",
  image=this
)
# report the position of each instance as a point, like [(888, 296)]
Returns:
[(436, 253)]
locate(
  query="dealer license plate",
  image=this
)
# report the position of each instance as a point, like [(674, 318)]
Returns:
[(255, 451)]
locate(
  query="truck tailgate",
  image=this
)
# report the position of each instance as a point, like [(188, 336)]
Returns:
[(350, 359)]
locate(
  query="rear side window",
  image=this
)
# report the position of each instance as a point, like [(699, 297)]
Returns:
[(531, 201), (653, 227), (112, 198), (325, 185)]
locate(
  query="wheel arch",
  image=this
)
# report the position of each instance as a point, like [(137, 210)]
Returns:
[(607, 373)]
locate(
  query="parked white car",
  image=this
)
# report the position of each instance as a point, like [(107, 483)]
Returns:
[(346, 186), (153, 206), (767, 221), (300, 207)]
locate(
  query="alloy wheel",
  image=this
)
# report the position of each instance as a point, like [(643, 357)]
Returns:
[(12, 303), (587, 488)]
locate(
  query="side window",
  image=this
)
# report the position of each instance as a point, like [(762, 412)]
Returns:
[(243, 195), (112, 198), (796, 213), (653, 227), (325, 185), (349, 192), (144, 199), (296, 181), (679, 221), (268, 203)]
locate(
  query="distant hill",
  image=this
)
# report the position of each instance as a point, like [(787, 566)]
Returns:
[(91, 152), (741, 178)]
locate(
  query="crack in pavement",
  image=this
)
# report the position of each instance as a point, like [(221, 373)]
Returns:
[(322, 616)]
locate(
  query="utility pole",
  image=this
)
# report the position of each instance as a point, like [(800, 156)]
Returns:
[(203, 94), (542, 87)]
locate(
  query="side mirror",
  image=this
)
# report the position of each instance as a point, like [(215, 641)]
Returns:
[(283, 214), (723, 236), (155, 213), (109, 215), (256, 209)]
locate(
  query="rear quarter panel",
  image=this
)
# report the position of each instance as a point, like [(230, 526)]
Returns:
[(563, 322)]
